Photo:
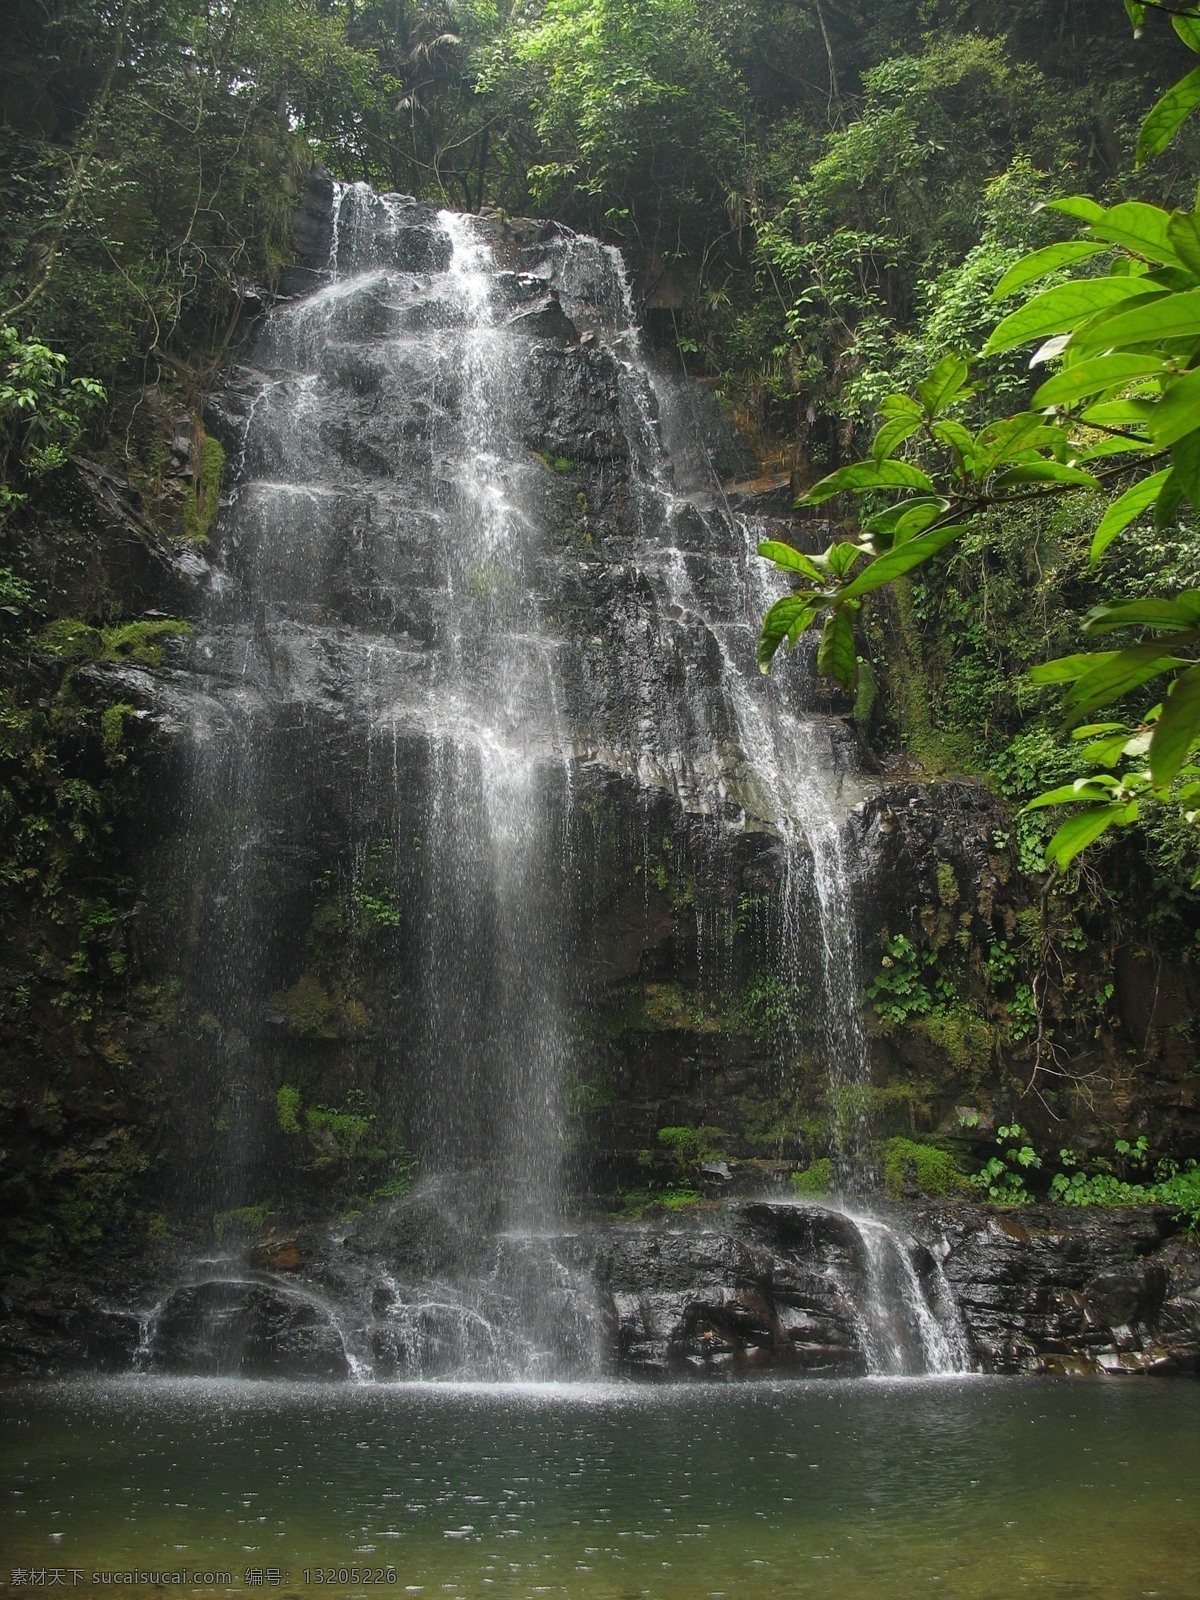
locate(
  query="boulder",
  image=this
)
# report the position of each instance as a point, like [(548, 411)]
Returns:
[(243, 1328)]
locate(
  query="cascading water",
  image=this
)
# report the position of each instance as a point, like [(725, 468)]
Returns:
[(400, 692), (783, 765)]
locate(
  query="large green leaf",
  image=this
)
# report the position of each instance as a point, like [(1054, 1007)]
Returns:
[(1178, 727), (793, 612), (943, 385), (894, 432), (865, 475), (901, 558), (1183, 230), (1185, 464), (1085, 828), (1139, 228), (1188, 29), (1049, 259), (1047, 472), (1155, 317), (1170, 497), (1096, 448), (958, 438), (1176, 616), (791, 559), (1123, 671), (1125, 508), (1096, 375), (1178, 412), (1108, 751), (900, 405), (1006, 439), (1098, 787), (1059, 310), (835, 654), (1077, 205), (1127, 414), (903, 521), (1066, 669), (1166, 116), (841, 557), (1136, 11)]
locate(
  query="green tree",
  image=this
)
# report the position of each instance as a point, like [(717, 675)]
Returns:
[(637, 110), (1124, 395)]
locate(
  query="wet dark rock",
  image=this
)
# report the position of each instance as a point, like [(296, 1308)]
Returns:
[(389, 231), (1038, 1285), (296, 282), (246, 1329), (714, 1304), (312, 223), (546, 320)]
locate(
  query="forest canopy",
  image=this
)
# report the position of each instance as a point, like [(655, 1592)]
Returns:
[(820, 196)]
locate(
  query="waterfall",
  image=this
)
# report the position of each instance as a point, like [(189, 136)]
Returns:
[(413, 657), (908, 1328), (783, 764)]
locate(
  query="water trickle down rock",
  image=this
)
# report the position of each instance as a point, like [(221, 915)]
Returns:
[(458, 582)]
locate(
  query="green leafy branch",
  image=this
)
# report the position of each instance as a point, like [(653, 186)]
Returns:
[(1125, 395)]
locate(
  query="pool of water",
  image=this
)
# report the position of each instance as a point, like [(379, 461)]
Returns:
[(980, 1489)]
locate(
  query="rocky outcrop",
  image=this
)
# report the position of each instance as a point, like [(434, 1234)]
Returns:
[(422, 1288), (1049, 1290), (716, 1303), (245, 1329)]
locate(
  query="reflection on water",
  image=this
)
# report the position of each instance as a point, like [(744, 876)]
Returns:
[(978, 1489)]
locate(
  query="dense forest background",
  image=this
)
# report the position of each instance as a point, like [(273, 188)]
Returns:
[(818, 197)]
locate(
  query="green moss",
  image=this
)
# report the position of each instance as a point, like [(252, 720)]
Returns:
[(287, 1107), (947, 884), (929, 1169), (669, 1007), (675, 1197), (941, 751), (142, 641), (308, 1007), (200, 508), (968, 1040), (71, 639), (584, 1095), (243, 1220), (112, 728), (487, 577), (689, 1146), (769, 1007), (814, 1181), (866, 693), (337, 1135)]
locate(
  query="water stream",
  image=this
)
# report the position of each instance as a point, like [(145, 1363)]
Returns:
[(392, 682)]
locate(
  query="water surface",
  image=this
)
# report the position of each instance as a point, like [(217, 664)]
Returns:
[(877, 1490)]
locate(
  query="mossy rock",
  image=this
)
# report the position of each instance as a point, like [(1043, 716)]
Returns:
[(913, 1167), (309, 1008), (968, 1042)]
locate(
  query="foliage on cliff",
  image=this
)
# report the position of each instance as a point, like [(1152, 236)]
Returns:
[(1121, 342)]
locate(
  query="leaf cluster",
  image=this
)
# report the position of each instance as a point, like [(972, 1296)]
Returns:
[(1125, 394)]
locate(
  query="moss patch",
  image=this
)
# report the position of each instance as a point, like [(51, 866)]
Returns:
[(201, 506)]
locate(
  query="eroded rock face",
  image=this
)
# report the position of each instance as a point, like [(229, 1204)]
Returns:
[(235, 1328), (713, 1304), (1048, 1290), (421, 1288)]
